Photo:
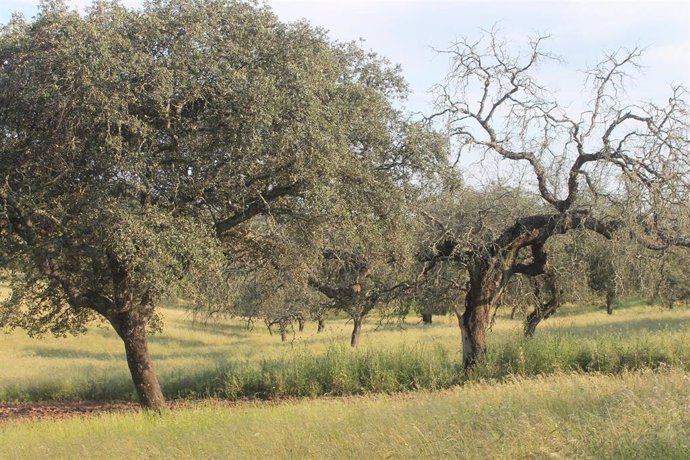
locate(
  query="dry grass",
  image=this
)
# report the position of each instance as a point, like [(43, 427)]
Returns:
[(632, 415)]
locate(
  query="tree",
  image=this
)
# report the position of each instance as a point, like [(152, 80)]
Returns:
[(494, 105), (141, 150)]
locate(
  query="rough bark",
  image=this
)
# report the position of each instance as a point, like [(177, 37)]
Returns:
[(486, 287), (427, 318), (132, 330)]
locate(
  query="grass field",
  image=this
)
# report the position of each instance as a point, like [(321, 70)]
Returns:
[(589, 385), (645, 414), (227, 360)]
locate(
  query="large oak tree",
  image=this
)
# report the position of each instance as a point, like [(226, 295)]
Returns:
[(139, 148)]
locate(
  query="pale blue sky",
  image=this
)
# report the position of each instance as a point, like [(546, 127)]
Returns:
[(406, 31)]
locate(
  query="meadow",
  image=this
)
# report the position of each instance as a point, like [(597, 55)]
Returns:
[(643, 414), (225, 359), (587, 385)]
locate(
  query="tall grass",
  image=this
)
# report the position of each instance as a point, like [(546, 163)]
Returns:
[(227, 361), (631, 415)]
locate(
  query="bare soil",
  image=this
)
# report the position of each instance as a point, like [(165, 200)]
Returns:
[(56, 410)]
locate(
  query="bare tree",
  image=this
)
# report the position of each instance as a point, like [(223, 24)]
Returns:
[(495, 106)]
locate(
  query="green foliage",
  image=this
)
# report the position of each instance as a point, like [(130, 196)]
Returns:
[(183, 143)]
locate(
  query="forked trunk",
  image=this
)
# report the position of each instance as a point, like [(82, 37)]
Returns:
[(356, 330), (301, 323), (322, 326), (427, 318), (132, 330)]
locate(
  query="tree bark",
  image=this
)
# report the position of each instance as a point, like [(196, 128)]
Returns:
[(354, 341), (474, 323), (322, 326), (427, 318), (301, 323), (486, 287), (132, 330)]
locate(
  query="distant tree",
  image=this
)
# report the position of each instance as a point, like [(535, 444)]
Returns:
[(494, 105), (141, 151)]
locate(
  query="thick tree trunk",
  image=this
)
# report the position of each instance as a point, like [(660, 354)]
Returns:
[(356, 330), (488, 279), (484, 291), (427, 318), (132, 330), (474, 323), (301, 323), (322, 326)]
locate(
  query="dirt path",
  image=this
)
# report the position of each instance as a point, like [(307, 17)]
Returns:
[(61, 410)]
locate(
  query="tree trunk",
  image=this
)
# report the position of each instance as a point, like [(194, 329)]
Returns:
[(283, 331), (354, 341), (474, 323), (610, 298), (322, 326), (132, 330), (427, 318), (488, 279), (543, 310), (301, 323), (531, 322)]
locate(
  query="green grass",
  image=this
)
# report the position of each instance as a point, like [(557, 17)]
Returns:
[(644, 414), (227, 360)]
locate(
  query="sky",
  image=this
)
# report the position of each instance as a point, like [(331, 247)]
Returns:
[(408, 31)]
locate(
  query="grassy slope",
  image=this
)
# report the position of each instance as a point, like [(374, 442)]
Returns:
[(633, 415)]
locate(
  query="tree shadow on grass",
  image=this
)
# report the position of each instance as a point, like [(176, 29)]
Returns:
[(68, 353), (632, 325), (224, 330)]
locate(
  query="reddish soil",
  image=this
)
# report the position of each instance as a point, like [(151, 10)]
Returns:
[(61, 410)]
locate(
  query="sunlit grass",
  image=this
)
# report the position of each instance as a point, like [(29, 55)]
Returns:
[(226, 359), (631, 415)]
